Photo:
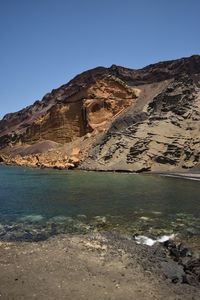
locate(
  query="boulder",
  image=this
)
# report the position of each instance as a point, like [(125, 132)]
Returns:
[(74, 160), (2, 158), (173, 271)]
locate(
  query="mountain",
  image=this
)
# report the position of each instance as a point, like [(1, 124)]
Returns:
[(112, 119)]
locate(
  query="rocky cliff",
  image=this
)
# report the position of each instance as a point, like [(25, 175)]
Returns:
[(119, 118)]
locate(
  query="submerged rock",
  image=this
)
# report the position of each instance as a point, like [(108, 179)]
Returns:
[(82, 217), (99, 221), (32, 218), (144, 218)]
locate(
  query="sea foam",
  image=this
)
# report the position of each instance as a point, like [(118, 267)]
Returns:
[(142, 239)]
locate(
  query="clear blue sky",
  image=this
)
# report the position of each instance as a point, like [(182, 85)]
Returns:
[(44, 43)]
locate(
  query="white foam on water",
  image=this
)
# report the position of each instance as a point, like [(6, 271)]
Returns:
[(142, 239)]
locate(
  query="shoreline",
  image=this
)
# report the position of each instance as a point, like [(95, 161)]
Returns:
[(177, 174), (181, 175), (93, 266)]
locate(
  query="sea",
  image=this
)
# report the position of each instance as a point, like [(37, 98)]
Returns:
[(36, 204)]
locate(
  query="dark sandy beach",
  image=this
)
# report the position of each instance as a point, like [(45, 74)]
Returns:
[(183, 175)]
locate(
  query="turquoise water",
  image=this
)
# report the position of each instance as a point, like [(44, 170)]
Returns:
[(35, 204)]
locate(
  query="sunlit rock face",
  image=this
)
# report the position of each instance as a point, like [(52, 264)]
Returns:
[(119, 118), (164, 134), (94, 106), (161, 131), (91, 100)]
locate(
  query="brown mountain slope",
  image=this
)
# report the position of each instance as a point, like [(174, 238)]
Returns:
[(135, 120), (161, 135), (89, 101)]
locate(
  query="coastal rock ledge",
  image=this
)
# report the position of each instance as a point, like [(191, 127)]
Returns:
[(112, 119)]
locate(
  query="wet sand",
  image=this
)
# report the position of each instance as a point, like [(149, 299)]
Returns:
[(93, 266)]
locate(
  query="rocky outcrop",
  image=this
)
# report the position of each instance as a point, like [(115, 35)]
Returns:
[(121, 119), (163, 134), (93, 106), (49, 159)]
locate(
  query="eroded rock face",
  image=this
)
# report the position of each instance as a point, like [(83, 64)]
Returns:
[(163, 135), (93, 106), (52, 158), (126, 119)]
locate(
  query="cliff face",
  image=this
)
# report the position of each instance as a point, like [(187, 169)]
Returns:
[(94, 106), (162, 135), (88, 102), (135, 120)]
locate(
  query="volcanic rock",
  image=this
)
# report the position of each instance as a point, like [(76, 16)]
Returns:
[(120, 119)]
